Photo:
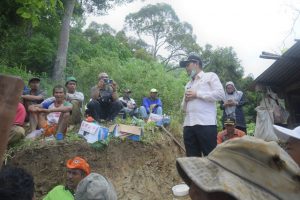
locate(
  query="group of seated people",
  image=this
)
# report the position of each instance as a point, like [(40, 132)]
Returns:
[(49, 116), (106, 105)]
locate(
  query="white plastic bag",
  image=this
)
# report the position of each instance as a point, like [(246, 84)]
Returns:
[(264, 124), (35, 134)]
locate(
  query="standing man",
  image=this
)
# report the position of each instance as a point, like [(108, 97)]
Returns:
[(77, 169), (151, 104), (233, 106), (75, 98), (199, 103)]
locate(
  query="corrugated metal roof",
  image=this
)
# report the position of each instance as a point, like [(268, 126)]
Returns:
[(284, 71)]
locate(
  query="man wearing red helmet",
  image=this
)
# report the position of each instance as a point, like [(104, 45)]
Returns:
[(77, 169)]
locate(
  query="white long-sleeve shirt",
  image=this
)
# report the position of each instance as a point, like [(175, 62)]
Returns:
[(202, 110)]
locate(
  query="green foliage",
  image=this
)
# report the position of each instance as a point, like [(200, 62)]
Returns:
[(160, 23), (251, 129), (155, 21), (28, 51), (138, 75), (224, 62), (251, 97), (46, 84), (33, 9)]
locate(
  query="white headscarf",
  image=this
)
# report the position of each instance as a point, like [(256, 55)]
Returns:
[(235, 96)]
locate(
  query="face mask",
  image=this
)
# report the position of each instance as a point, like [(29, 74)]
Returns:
[(193, 74)]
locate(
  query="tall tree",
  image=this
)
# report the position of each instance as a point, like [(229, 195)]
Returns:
[(61, 55), (31, 10), (91, 6), (180, 42), (154, 21), (170, 38), (224, 62)]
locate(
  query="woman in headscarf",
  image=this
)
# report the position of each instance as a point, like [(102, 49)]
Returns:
[(232, 106)]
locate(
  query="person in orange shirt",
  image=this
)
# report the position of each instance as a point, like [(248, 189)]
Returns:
[(230, 131)]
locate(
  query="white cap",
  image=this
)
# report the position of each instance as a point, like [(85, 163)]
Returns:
[(285, 133), (153, 90)]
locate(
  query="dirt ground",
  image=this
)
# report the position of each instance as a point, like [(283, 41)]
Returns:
[(138, 171)]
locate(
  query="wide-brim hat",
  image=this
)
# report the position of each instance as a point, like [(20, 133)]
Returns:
[(245, 168), (284, 133), (191, 58)]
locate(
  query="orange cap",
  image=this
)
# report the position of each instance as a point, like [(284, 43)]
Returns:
[(79, 163)]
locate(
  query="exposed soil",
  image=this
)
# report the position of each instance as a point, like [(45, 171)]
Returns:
[(138, 171)]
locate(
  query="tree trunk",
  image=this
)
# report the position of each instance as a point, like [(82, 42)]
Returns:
[(61, 56)]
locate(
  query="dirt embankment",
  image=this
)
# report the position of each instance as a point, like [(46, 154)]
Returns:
[(138, 171)]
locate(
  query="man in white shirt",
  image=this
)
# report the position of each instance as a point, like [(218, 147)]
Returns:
[(75, 98), (199, 104)]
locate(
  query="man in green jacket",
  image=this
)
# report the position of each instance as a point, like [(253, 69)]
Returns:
[(77, 169)]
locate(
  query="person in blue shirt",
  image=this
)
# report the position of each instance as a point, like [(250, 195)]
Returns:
[(151, 104)]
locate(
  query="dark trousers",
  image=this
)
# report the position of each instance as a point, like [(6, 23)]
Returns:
[(199, 139), (99, 110)]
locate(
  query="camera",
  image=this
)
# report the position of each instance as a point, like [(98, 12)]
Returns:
[(108, 81)]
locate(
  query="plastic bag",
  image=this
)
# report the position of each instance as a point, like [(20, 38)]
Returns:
[(35, 134), (264, 124)]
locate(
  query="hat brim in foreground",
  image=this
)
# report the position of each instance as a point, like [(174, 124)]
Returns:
[(211, 177), (284, 133)]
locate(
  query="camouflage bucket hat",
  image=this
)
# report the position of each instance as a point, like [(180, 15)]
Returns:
[(246, 168)]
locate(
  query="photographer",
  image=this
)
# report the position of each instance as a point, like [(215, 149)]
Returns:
[(105, 103)]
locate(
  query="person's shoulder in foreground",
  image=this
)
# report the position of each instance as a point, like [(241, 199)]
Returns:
[(95, 187), (244, 169), (59, 192), (16, 184)]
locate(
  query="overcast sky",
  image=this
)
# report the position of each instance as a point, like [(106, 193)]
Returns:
[(249, 26)]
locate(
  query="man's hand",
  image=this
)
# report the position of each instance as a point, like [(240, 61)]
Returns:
[(152, 106), (190, 95), (130, 105)]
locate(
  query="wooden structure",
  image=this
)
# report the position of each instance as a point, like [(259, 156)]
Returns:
[(283, 76)]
